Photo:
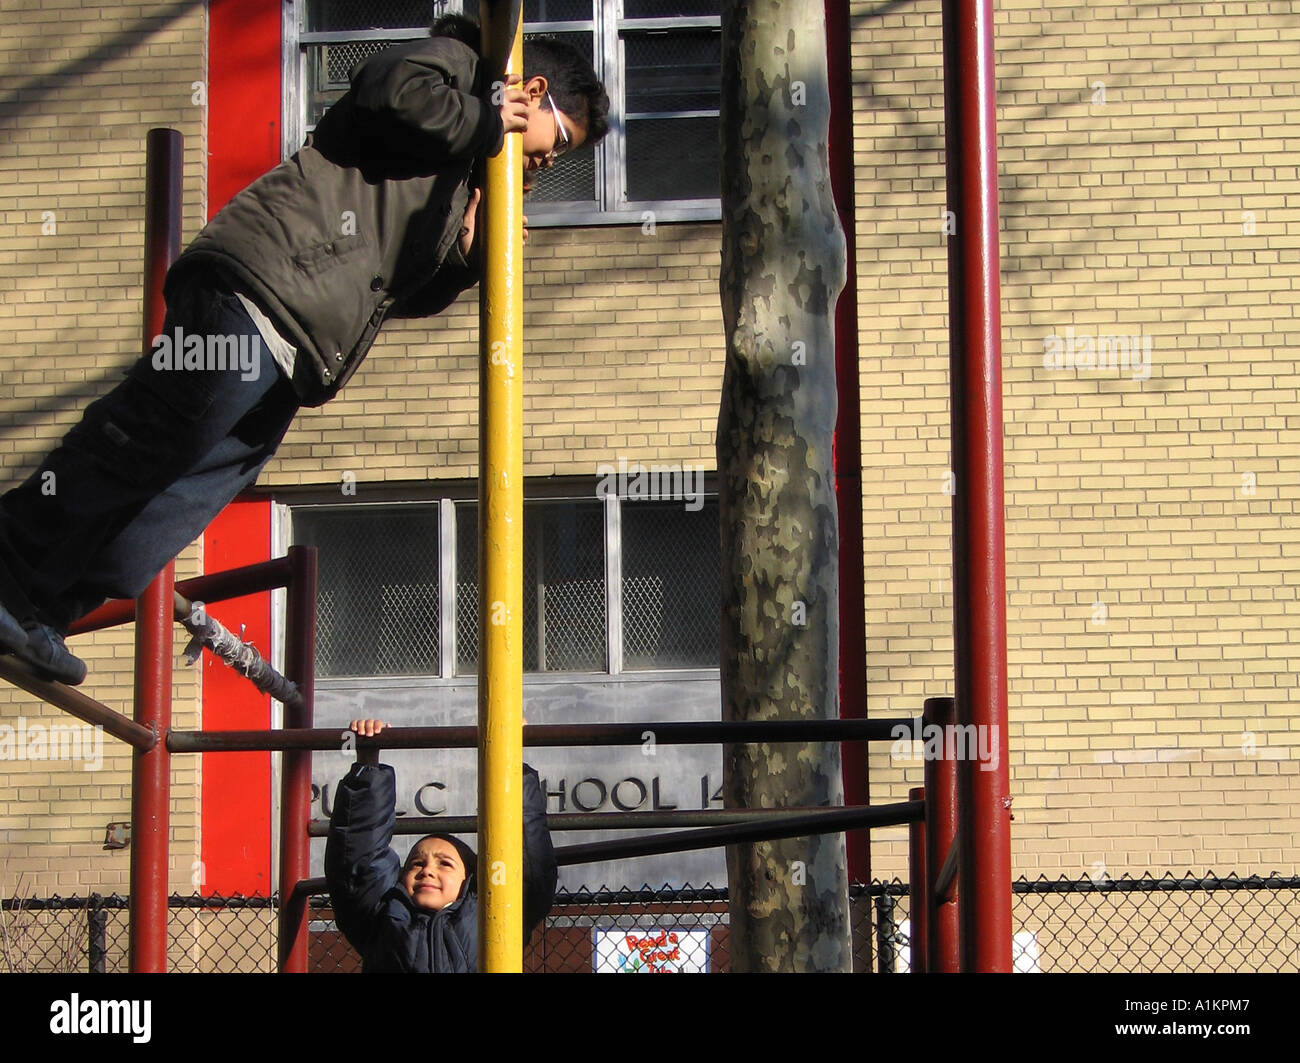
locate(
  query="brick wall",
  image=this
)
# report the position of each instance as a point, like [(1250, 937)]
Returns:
[(80, 86), (1158, 734), (622, 357), (1148, 188)]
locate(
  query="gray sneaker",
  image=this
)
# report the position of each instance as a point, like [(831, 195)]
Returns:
[(46, 652), (12, 636)]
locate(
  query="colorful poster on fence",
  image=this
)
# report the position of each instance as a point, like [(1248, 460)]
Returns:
[(653, 951)]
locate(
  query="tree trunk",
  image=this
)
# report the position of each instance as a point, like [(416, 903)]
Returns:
[(783, 267)]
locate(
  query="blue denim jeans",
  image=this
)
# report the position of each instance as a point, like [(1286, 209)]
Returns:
[(146, 470)]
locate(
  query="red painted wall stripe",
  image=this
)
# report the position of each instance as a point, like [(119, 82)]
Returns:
[(236, 787), (243, 94)]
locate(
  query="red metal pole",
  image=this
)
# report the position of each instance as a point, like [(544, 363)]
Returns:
[(979, 566), (214, 587), (917, 878), (151, 778), (72, 701), (941, 822), (295, 764), (846, 450), (150, 769)]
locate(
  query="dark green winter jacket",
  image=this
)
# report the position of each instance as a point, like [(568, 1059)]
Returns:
[(364, 220)]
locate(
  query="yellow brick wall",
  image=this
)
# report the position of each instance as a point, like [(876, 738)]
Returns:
[(622, 358), (1148, 187), (80, 86), (1119, 216)]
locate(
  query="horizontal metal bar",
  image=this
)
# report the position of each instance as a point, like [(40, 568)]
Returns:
[(228, 584), (947, 873), (686, 817), (635, 116), (349, 685), (215, 587), (658, 25), (587, 213), (238, 582), (311, 887), (406, 33), (77, 704), (573, 25), (416, 33), (826, 821), (110, 614), (547, 735), (823, 821)]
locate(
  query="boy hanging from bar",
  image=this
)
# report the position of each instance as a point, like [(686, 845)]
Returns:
[(374, 217), (420, 916)]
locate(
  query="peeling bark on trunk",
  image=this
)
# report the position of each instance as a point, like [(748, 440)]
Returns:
[(783, 267)]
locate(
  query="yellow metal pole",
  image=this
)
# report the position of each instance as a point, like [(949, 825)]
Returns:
[(501, 532)]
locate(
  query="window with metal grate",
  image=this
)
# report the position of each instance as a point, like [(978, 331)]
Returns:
[(564, 587), (380, 611), (660, 61), (670, 585), (377, 610)]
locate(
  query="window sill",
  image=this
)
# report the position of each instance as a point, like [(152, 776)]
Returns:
[(549, 216), (531, 679)]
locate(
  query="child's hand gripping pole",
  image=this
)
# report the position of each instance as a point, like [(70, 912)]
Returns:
[(367, 755)]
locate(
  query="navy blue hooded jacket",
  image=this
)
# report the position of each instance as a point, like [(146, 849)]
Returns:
[(372, 907)]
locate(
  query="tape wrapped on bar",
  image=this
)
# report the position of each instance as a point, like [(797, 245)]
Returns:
[(242, 656)]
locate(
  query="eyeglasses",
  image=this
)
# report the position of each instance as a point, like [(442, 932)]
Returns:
[(562, 139)]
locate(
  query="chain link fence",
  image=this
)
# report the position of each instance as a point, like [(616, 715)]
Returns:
[(1144, 924)]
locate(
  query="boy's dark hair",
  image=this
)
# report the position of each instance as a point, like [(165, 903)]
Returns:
[(574, 86), (459, 28)]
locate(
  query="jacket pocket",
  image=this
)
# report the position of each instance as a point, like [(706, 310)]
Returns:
[(321, 258)]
